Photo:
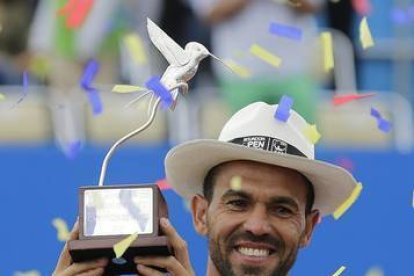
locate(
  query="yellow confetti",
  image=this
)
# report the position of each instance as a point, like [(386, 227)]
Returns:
[(375, 271), (339, 271), (121, 88), (135, 46), (63, 233), (365, 34), (2, 97), (312, 133), (122, 246), (238, 69), (236, 183), (265, 55), (27, 273), (328, 56), (347, 203)]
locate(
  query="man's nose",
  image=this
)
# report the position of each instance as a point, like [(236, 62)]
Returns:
[(257, 221)]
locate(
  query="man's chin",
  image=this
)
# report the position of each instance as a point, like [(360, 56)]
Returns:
[(259, 262)]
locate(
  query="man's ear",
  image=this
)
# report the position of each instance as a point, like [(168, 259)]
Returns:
[(311, 220), (199, 206)]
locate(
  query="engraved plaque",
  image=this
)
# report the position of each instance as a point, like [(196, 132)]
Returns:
[(110, 213)]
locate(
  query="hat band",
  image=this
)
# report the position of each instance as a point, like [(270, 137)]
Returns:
[(268, 144)]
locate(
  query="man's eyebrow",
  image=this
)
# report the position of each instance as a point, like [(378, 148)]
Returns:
[(233, 193), (284, 200)]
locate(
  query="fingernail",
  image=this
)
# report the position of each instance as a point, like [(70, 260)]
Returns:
[(165, 222), (140, 267)]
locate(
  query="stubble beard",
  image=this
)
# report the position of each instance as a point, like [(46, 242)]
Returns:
[(222, 263)]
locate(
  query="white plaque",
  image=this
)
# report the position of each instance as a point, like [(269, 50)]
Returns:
[(118, 211)]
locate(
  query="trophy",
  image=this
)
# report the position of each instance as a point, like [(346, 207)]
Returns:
[(109, 214)]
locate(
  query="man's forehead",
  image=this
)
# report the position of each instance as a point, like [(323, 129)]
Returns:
[(260, 178)]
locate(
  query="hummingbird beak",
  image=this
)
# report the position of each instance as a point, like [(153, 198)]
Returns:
[(222, 62)]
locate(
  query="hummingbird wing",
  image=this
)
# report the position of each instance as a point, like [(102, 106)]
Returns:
[(173, 53)]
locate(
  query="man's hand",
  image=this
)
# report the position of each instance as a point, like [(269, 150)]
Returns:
[(65, 266), (178, 265)]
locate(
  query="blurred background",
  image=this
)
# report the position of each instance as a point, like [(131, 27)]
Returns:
[(59, 62)]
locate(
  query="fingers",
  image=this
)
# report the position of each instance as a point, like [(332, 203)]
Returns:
[(94, 272), (179, 245), (148, 271), (169, 263), (77, 268), (65, 259)]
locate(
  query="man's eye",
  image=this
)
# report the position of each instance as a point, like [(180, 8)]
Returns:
[(237, 204), (283, 212)]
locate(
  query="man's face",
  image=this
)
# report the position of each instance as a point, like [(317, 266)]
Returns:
[(258, 229)]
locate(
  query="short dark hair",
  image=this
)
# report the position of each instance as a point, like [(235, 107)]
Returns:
[(210, 180)]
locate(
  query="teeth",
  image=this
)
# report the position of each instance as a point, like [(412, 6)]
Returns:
[(253, 252)]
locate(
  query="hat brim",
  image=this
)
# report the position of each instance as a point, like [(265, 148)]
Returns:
[(186, 166)]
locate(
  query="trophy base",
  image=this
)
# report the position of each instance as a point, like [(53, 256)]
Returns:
[(91, 249)]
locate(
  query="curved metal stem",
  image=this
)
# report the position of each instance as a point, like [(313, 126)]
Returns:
[(125, 138), (137, 99)]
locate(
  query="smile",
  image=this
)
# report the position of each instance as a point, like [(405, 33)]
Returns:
[(253, 251)]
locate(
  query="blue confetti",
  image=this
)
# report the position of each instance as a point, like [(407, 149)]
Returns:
[(285, 31), (89, 73), (383, 125), (73, 149), (283, 110), (25, 82), (161, 91)]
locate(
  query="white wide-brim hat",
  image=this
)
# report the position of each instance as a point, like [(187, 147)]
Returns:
[(254, 134)]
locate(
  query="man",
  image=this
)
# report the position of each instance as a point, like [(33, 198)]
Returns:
[(256, 193)]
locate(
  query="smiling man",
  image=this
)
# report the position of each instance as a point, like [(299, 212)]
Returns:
[(256, 227), (256, 193)]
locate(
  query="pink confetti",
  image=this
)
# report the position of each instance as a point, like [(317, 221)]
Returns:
[(338, 100), (362, 7), (163, 184)]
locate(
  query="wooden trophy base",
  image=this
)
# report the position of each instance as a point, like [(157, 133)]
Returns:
[(86, 250)]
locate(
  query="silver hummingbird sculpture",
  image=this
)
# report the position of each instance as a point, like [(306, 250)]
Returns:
[(183, 62), (183, 66)]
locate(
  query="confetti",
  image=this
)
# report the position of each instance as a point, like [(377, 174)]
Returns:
[(121, 88), (285, 31), (25, 88), (2, 97), (163, 184), (135, 46), (342, 99), (362, 7), (312, 133), (383, 125), (375, 271), (236, 183), (76, 12), (328, 56), (63, 233), (122, 246), (27, 273), (365, 34), (348, 203), (399, 16), (89, 73), (160, 90), (345, 163), (238, 69), (282, 112), (73, 149), (339, 271), (265, 55)]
